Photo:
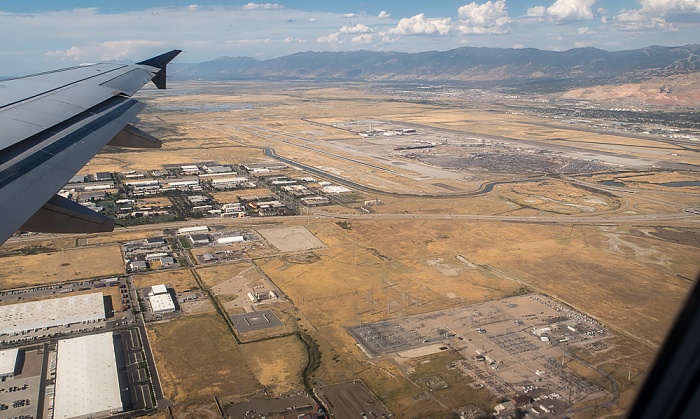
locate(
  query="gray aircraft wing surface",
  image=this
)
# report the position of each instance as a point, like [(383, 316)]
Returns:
[(52, 124)]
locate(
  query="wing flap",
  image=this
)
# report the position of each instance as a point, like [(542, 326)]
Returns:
[(132, 137), (61, 215)]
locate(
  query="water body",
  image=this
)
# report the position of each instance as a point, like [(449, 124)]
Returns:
[(612, 183), (681, 183), (678, 184)]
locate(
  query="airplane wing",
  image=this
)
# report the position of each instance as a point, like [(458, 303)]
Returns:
[(52, 124)]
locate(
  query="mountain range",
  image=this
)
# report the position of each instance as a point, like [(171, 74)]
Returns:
[(551, 70)]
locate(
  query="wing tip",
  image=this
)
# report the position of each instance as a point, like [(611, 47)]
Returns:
[(160, 61)]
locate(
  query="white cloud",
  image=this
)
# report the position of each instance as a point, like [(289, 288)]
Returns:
[(333, 38), (351, 15), (313, 19), (584, 30), (357, 28), (421, 25), (635, 20), (104, 51), (383, 15), (537, 11), (671, 5), (563, 10), (292, 40), (487, 18), (365, 38), (263, 6), (659, 15)]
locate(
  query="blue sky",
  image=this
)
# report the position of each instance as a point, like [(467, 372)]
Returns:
[(42, 34)]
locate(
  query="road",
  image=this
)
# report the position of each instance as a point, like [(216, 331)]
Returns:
[(666, 219)]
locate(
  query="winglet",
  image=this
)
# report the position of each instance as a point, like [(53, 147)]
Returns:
[(161, 62)]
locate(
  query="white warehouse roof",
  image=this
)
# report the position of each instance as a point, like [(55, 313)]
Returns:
[(86, 378), (159, 289), (336, 189), (195, 229), (162, 303), (8, 359), (228, 240), (54, 312)]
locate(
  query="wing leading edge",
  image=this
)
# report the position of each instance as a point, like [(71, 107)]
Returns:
[(53, 124)]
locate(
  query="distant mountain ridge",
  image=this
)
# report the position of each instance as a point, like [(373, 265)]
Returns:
[(494, 66)]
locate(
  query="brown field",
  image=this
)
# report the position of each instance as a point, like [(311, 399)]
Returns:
[(65, 265), (197, 358), (277, 363), (215, 275), (555, 197), (180, 279)]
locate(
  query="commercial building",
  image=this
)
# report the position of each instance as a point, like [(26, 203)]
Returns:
[(160, 299), (8, 361), (196, 229), (18, 318), (159, 289), (336, 190), (198, 239), (87, 384), (230, 240)]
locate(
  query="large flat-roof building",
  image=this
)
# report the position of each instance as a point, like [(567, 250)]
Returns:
[(160, 299), (87, 384), (8, 361), (17, 318), (162, 303)]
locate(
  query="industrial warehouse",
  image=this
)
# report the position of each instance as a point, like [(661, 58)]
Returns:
[(87, 384), (91, 364), (160, 299), (25, 317)]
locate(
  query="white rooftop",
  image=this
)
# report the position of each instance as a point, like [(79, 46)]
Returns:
[(162, 303), (8, 359), (86, 377), (54, 312), (335, 189), (159, 289)]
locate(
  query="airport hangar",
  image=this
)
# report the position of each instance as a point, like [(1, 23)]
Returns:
[(25, 317)]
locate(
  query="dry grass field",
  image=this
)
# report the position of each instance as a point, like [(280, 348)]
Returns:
[(632, 283), (180, 279), (215, 275), (64, 265), (277, 364), (197, 359)]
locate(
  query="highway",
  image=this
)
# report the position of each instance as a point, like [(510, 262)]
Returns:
[(659, 219)]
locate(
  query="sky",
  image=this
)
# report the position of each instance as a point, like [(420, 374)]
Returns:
[(41, 35)]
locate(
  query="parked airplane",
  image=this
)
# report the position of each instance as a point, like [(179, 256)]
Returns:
[(53, 123)]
